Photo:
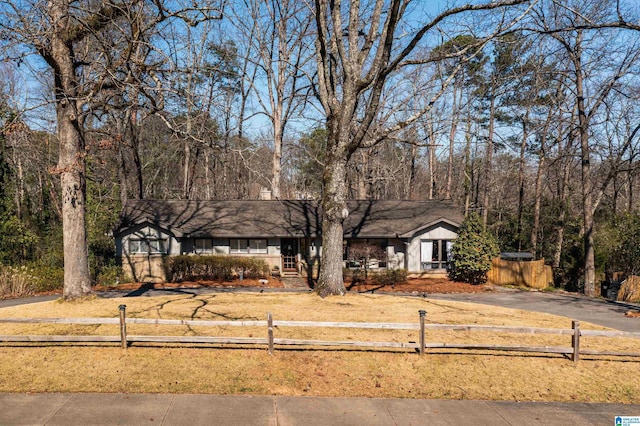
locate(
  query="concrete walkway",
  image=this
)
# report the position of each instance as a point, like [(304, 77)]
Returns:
[(138, 409)]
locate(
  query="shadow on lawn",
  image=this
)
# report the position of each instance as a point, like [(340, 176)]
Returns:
[(200, 311)]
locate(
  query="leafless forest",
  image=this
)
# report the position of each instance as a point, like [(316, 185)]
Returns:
[(524, 111)]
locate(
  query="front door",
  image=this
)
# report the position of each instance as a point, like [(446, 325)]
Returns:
[(289, 250)]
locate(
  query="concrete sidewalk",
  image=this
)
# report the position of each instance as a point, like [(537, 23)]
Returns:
[(193, 410)]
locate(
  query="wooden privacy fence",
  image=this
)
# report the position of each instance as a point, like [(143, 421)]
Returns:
[(124, 339), (533, 274)]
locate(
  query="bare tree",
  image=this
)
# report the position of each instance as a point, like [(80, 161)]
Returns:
[(591, 87), (71, 38), (278, 47), (359, 46)]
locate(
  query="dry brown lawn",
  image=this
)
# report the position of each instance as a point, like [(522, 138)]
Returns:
[(323, 372)]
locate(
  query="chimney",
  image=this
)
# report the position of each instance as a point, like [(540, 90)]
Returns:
[(265, 194)]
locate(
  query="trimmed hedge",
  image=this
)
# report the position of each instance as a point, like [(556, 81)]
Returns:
[(213, 268)]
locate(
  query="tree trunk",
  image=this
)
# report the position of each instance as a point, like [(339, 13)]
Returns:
[(276, 165), (521, 166), (334, 212), (409, 190), (538, 185), (630, 176), (362, 185), (137, 161), (185, 170), (564, 207), (71, 161), (487, 162), (452, 139), (587, 193), (122, 174), (535, 228), (468, 183)]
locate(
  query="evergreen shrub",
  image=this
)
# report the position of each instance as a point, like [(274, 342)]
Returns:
[(472, 252)]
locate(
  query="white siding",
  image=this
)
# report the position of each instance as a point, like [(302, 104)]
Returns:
[(441, 231), (273, 246)]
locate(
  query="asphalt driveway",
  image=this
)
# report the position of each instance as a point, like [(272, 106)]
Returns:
[(596, 311)]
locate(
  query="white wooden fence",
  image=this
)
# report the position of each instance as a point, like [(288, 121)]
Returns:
[(574, 351)]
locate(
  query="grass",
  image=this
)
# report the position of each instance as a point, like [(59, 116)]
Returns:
[(197, 369)]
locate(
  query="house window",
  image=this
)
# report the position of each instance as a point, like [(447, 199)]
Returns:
[(203, 246), (258, 246), (255, 246), (238, 246), (148, 246), (435, 254), (138, 247)]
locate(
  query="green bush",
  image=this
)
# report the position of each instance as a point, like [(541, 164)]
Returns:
[(472, 252), (390, 277), (47, 278), (212, 268), (26, 280), (109, 276)]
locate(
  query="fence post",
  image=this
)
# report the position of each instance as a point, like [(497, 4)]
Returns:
[(575, 340), (422, 313), (123, 326), (270, 332)]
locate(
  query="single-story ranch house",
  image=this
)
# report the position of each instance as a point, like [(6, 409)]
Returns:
[(413, 235)]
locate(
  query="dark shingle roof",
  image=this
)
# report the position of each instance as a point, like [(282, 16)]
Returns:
[(280, 218)]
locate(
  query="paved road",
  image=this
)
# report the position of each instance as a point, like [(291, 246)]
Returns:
[(597, 311), (193, 410)]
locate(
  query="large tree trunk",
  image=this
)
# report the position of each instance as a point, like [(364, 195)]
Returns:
[(334, 212), (71, 162)]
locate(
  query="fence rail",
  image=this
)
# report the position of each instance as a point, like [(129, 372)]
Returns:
[(126, 339)]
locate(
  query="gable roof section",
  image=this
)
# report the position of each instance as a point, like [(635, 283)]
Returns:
[(280, 218), (396, 218)]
